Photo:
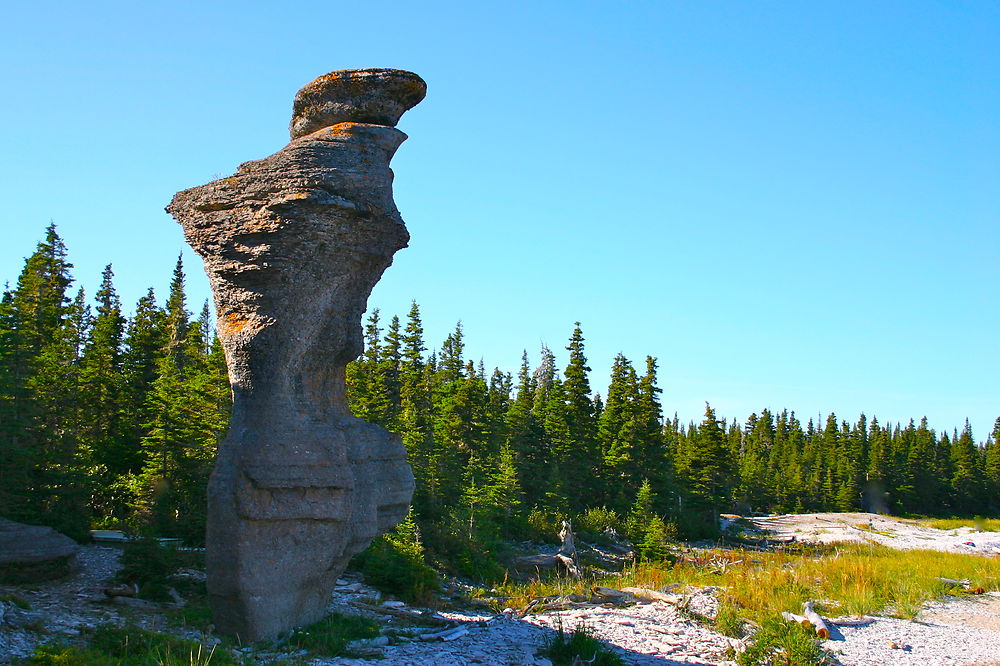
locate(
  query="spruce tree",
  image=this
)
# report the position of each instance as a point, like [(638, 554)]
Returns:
[(967, 482), (41, 469), (991, 469), (755, 473), (581, 423), (105, 428), (652, 454), (706, 470), (415, 420), (525, 434), (619, 432)]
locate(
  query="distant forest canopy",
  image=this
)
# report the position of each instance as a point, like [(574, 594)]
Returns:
[(108, 419)]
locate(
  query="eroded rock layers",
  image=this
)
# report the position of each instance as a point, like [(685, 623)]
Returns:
[(293, 245)]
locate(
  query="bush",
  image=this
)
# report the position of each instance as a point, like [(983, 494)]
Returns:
[(655, 545), (394, 563), (596, 520), (453, 551), (580, 645), (329, 636), (147, 564), (785, 643), (544, 525), (14, 599)]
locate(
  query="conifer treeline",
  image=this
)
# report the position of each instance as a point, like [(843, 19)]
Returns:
[(506, 446), (105, 418)]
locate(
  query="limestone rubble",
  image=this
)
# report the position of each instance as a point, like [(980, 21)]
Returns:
[(293, 245)]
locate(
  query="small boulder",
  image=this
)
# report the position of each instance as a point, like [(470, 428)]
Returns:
[(31, 553)]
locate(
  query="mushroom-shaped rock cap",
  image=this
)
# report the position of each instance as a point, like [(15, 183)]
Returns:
[(376, 96)]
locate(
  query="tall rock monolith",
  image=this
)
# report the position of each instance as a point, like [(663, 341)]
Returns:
[(293, 245)]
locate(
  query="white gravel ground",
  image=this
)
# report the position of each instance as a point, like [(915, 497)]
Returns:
[(874, 528), (953, 631)]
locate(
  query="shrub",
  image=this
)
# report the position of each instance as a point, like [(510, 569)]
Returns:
[(544, 525), (697, 524), (596, 520), (728, 621), (785, 643), (394, 563), (20, 602), (147, 564), (655, 545), (580, 645), (329, 636)]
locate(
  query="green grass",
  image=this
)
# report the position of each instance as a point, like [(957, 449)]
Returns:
[(566, 649), (982, 524), (782, 643), (849, 579), (20, 602), (329, 636), (195, 615), (728, 621), (129, 645)]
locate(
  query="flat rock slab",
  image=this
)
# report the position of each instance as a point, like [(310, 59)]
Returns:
[(30, 553)]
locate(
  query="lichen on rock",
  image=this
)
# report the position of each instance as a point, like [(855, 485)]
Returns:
[(293, 245)]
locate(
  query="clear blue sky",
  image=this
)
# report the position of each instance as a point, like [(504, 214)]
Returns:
[(789, 204)]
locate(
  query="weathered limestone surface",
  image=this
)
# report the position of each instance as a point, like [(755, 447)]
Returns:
[(293, 245)]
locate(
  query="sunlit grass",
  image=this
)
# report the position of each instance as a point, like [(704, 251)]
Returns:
[(850, 579), (982, 524)]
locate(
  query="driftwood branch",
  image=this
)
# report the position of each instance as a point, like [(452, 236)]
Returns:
[(821, 629), (647, 594), (413, 616), (852, 621), (797, 619), (567, 551)]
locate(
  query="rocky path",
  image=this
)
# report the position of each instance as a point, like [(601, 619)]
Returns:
[(58, 608), (646, 634)]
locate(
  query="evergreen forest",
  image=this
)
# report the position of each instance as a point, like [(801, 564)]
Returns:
[(111, 418)]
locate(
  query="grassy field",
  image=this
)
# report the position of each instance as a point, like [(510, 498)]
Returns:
[(982, 524), (847, 579)]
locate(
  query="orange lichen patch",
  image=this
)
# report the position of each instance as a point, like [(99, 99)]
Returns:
[(342, 129), (319, 80), (233, 323)]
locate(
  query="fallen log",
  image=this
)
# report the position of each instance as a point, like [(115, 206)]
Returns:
[(821, 629), (797, 619), (569, 564), (609, 592), (414, 616), (647, 594), (123, 590), (852, 621), (542, 561), (446, 635), (965, 583)]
